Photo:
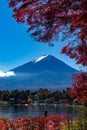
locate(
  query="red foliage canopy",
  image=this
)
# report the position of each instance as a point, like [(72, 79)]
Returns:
[(79, 87), (46, 18)]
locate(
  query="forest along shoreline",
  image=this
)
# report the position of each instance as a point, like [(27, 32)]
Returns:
[(39, 97)]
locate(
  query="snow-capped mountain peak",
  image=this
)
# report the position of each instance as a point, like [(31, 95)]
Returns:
[(40, 58), (45, 72)]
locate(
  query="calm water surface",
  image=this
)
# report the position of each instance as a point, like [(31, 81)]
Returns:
[(33, 110)]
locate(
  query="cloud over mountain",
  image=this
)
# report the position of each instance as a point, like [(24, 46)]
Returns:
[(7, 74)]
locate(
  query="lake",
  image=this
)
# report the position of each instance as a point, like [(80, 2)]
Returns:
[(34, 110)]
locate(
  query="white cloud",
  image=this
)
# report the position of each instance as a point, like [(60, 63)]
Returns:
[(7, 74)]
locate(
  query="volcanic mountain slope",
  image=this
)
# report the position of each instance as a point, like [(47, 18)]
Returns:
[(44, 72)]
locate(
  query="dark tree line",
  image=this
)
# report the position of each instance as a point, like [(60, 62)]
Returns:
[(41, 95)]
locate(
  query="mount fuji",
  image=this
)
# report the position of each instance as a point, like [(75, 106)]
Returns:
[(44, 72)]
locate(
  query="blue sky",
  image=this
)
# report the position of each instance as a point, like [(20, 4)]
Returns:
[(17, 47)]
